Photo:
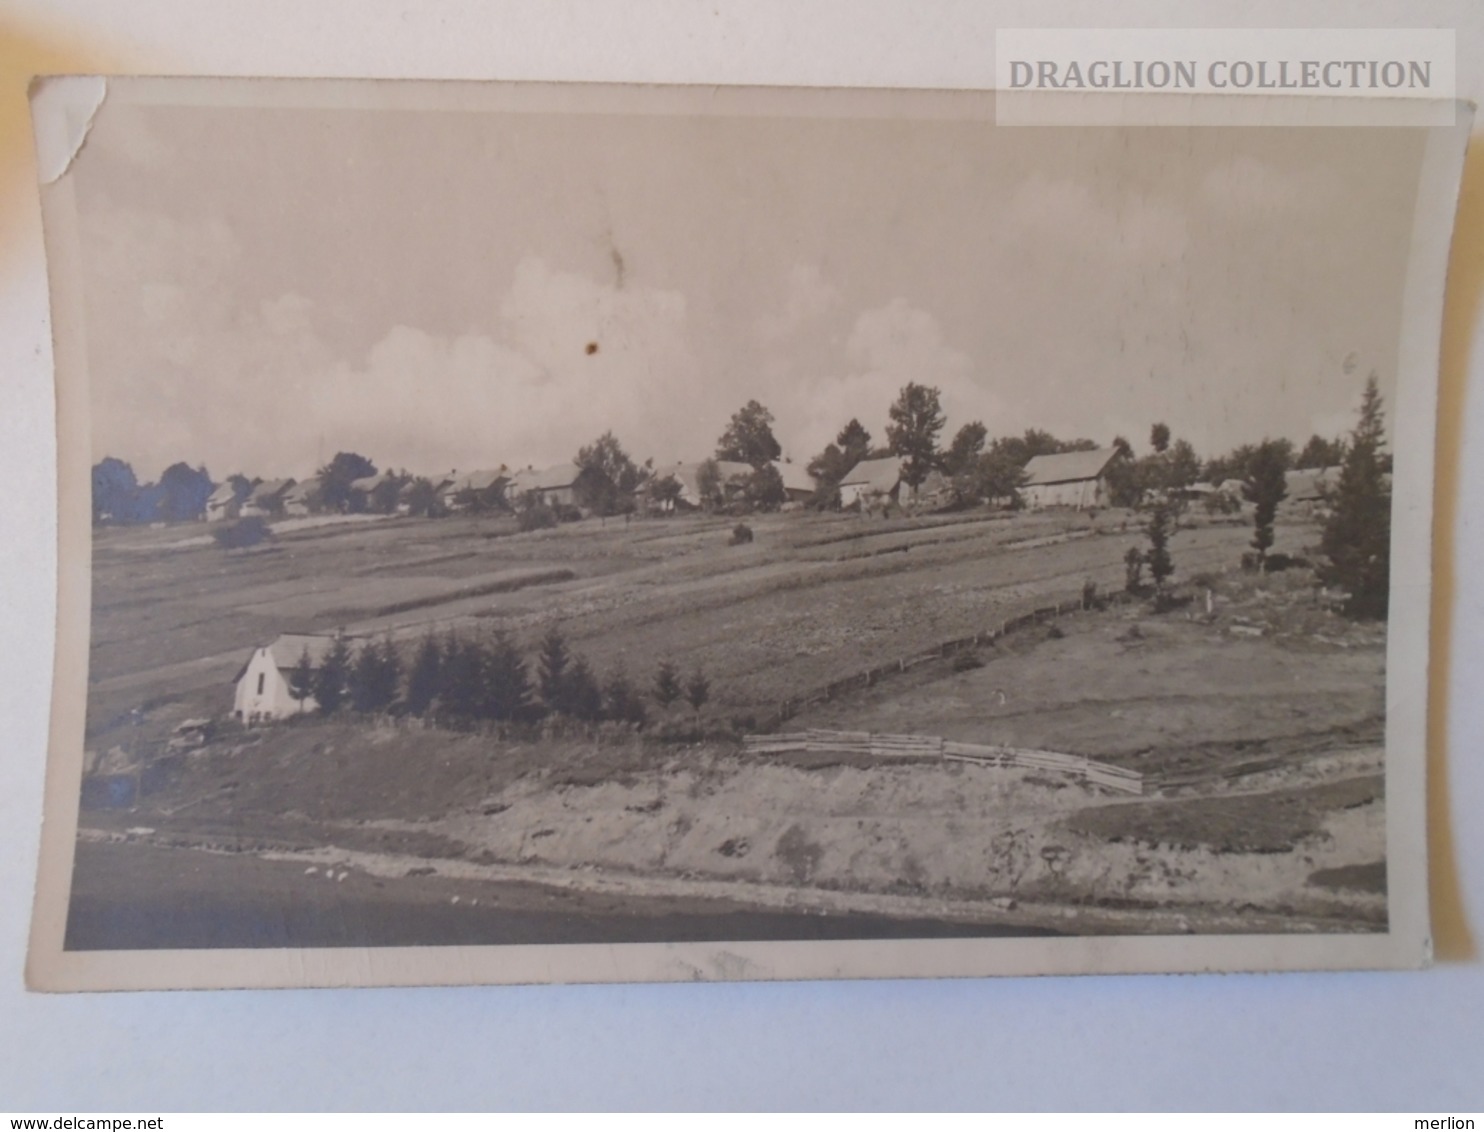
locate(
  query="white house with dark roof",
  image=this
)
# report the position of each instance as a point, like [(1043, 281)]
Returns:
[(1068, 479), (871, 481), (557, 485), (263, 681), (223, 503)]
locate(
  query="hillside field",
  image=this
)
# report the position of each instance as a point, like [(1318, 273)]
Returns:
[(1254, 712)]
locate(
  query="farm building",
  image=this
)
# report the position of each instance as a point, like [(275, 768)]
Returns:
[(300, 499), (688, 476), (557, 485), (267, 498), (1308, 490), (223, 503), (476, 490), (798, 484), (871, 481), (263, 682), (1068, 479), (440, 482)]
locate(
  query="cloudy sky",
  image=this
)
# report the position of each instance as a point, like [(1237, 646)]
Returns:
[(265, 287)]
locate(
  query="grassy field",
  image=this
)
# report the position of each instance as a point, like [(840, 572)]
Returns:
[(1254, 713), (812, 599)]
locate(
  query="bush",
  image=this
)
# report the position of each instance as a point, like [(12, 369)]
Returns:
[(1276, 562), (967, 661), (535, 517), (741, 533), (242, 534)]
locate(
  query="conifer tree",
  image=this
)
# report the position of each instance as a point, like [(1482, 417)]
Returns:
[(666, 684), (551, 671), (330, 680), (301, 679), (1266, 487), (424, 676), (1357, 538)]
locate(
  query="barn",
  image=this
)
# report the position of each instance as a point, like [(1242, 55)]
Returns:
[(1068, 479), (223, 503), (871, 481), (473, 491), (798, 484), (267, 498), (557, 485), (263, 681)]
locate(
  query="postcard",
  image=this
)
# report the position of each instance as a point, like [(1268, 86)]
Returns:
[(546, 533)]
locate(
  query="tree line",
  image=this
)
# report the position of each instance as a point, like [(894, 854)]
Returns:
[(609, 481), (461, 679)]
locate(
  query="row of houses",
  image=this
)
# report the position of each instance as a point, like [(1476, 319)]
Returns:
[(1076, 480), (454, 490)]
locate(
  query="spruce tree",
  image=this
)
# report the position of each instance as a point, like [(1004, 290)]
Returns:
[(301, 679), (1266, 487), (698, 690), (330, 681), (424, 677), (551, 672), (620, 701), (1161, 565), (666, 684), (582, 698), (1357, 538)]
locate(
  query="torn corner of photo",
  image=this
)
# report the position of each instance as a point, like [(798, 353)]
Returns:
[(430, 612), (62, 109)]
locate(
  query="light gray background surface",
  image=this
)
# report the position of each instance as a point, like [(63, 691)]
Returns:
[(1369, 1041)]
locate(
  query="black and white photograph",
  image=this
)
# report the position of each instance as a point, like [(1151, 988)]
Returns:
[(819, 533)]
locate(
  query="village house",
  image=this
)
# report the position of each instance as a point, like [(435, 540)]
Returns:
[(223, 503), (1068, 479), (440, 482), (478, 490), (363, 492), (871, 482), (688, 476), (798, 484), (302, 498), (263, 690), (556, 486), (267, 499)]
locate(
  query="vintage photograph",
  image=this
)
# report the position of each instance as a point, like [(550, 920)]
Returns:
[(522, 516)]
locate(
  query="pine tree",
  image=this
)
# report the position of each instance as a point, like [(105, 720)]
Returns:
[(374, 677), (583, 699), (301, 679), (620, 701), (1266, 487), (551, 671), (1357, 537), (461, 677), (330, 681), (666, 684), (698, 690), (1157, 557), (507, 688), (424, 677)]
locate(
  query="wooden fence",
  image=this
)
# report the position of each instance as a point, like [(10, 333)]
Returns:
[(879, 745)]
